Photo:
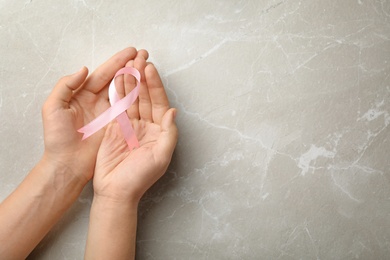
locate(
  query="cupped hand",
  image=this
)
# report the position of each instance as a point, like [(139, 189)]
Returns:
[(124, 175), (75, 101)]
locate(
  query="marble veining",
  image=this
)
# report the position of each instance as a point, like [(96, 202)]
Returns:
[(283, 114)]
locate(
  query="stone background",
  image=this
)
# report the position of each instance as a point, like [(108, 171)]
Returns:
[(283, 116)]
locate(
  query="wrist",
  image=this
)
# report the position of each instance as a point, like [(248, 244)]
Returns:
[(65, 167), (115, 202), (35, 206), (61, 174), (112, 228)]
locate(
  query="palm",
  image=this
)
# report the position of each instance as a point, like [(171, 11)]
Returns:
[(62, 138), (62, 124), (121, 173), (122, 168)]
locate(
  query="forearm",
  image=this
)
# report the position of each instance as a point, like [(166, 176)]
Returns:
[(112, 230), (28, 214)]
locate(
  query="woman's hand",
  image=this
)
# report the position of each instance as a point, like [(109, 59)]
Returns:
[(124, 175), (75, 101)]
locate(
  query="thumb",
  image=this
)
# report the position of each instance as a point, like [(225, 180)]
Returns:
[(63, 91), (169, 134)]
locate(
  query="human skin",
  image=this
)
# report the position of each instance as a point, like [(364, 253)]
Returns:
[(67, 164), (122, 176)]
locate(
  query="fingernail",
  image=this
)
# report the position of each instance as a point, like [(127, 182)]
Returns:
[(174, 114)]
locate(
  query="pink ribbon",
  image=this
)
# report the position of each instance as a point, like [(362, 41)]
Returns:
[(117, 110)]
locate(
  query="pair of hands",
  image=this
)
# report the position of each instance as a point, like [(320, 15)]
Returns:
[(118, 173)]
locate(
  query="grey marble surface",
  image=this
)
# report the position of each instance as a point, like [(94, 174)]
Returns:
[(283, 116)]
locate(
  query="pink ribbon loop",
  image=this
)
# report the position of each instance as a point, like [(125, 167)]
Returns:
[(117, 110)]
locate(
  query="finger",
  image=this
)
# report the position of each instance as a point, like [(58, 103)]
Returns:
[(120, 86), (167, 140), (145, 105), (64, 89), (143, 53), (158, 97), (105, 72), (126, 83), (129, 84)]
